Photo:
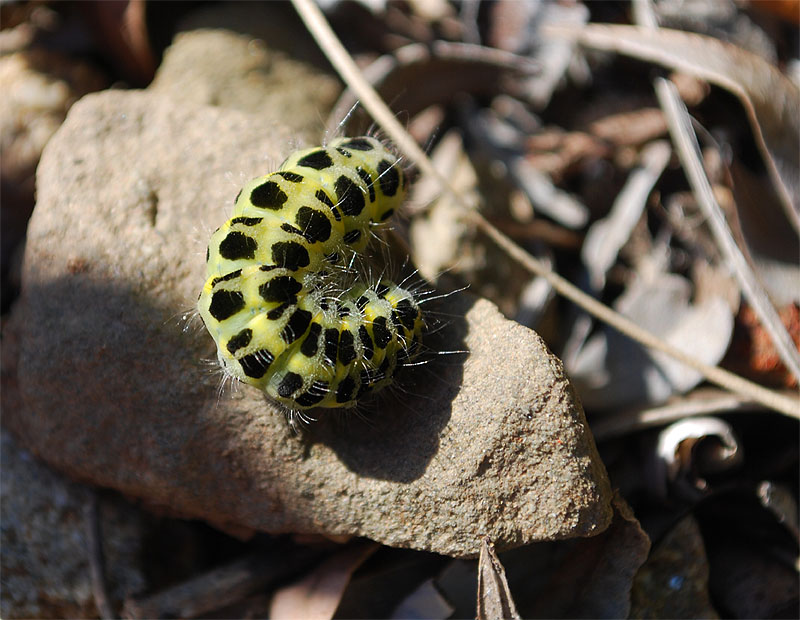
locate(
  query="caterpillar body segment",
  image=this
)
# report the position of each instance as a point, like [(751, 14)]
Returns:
[(272, 302)]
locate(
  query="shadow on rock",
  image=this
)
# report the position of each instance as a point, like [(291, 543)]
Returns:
[(394, 435)]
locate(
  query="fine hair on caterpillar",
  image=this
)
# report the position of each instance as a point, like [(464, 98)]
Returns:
[(406, 388), (279, 301)]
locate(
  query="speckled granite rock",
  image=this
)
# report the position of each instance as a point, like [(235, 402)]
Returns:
[(38, 86), (115, 391), (252, 57), (45, 560)]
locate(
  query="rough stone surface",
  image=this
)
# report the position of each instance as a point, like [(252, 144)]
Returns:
[(45, 561), (251, 57), (115, 391), (38, 86)]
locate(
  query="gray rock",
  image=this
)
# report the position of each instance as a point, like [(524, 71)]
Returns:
[(115, 391), (39, 87), (45, 552), (252, 57)]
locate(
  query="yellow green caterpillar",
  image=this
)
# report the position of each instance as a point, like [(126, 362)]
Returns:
[(275, 300)]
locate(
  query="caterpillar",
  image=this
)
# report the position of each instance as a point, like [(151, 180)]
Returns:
[(276, 299)]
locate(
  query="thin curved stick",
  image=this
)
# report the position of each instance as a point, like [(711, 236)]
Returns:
[(688, 150), (349, 72)]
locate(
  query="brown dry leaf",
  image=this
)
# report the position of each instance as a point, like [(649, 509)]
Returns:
[(554, 151), (595, 578), (220, 587), (673, 583), (607, 235), (690, 449), (771, 101), (778, 499), (424, 602), (317, 595), (494, 597), (439, 72), (516, 27), (611, 371), (687, 148), (772, 244), (121, 30), (498, 141), (785, 9), (630, 128), (441, 238), (752, 353), (752, 558)]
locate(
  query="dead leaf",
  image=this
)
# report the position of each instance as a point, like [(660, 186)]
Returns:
[(317, 595), (607, 236), (752, 558), (497, 140), (771, 101), (630, 128), (438, 71), (778, 499), (689, 449), (785, 9), (556, 153), (611, 371), (752, 353), (673, 583), (772, 244), (424, 602), (219, 587), (494, 597), (687, 149), (121, 32), (516, 27), (594, 579)]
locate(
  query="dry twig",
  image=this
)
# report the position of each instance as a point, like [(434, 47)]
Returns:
[(97, 564)]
